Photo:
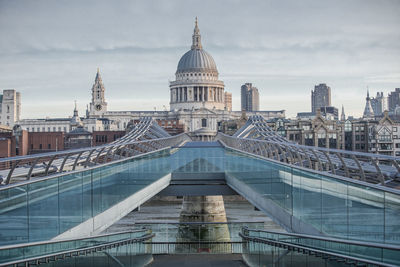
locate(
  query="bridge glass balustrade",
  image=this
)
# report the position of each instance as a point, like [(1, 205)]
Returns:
[(332, 206), (195, 159), (38, 249), (386, 254), (43, 209)]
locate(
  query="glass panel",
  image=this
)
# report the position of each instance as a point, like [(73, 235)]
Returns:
[(13, 215), (392, 214), (43, 210), (71, 204), (366, 213)]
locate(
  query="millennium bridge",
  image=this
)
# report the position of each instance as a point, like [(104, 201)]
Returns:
[(337, 207)]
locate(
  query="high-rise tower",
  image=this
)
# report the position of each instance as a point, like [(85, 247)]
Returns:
[(250, 97), (320, 97), (98, 106)]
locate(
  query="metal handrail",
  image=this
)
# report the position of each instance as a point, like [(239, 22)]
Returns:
[(67, 239), (25, 166), (331, 150), (52, 176), (323, 238), (328, 174), (316, 252), (350, 164), (76, 252)]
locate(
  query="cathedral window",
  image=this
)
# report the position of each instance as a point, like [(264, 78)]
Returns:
[(8, 109), (203, 122)]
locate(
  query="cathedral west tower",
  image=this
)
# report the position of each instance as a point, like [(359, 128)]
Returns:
[(98, 106)]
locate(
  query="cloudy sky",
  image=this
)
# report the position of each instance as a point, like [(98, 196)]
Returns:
[(50, 50)]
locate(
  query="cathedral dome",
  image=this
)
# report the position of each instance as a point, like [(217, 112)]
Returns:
[(196, 59)]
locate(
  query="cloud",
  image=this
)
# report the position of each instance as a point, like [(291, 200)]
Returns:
[(53, 48)]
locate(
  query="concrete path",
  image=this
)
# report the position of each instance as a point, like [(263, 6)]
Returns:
[(198, 260)]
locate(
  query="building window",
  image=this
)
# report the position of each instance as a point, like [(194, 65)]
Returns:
[(43, 129), (8, 109), (203, 122), (309, 139), (357, 146), (48, 129), (54, 129), (65, 129), (49, 146), (394, 129), (40, 146)]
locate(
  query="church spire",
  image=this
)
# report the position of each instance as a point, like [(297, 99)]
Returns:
[(196, 37), (98, 77), (368, 111)]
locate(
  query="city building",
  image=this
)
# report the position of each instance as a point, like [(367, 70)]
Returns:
[(10, 107), (384, 137), (316, 131), (394, 99), (330, 113), (231, 126), (13, 142), (320, 97), (250, 98), (379, 103), (228, 101)]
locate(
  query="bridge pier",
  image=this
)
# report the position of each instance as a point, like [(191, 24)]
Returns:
[(203, 209)]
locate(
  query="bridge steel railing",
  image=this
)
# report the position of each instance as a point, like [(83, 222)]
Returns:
[(265, 247), (23, 168), (367, 167), (103, 246)]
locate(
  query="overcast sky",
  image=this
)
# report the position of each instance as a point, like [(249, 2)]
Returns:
[(50, 50)]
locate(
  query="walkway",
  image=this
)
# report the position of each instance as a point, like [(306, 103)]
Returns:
[(196, 260)]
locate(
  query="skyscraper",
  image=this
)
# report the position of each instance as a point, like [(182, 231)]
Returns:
[(250, 98), (394, 99), (320, 97), (379, 103)]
